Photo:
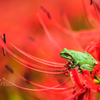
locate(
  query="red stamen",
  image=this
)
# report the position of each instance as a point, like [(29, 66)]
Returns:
[(46, 72), (38, 85), (65, 20), (23, 87), (48, 34), (96, 5), (54, 64), (63, 29), (45, 87), (31, 89), (30, 64), (69, 27), (40, 50), (80, 35), (34, 65), (37, 59), (67, 91), (87, 15)]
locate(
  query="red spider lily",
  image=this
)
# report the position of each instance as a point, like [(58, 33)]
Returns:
[(55, 68), (86, 79), (84, 82)]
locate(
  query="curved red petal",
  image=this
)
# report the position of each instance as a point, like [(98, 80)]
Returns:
[(90, 95), (86, 72), (88, 82), (75, 78), (97, 67)]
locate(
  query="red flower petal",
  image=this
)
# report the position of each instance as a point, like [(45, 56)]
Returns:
[(88, 82), (76, 79), (97, 67), (90, 95)]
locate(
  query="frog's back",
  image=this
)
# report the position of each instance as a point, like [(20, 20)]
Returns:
[(82, 58)]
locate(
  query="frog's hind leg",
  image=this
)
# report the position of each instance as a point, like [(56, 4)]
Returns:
[(86, 67), (68, 66), (91, 57)]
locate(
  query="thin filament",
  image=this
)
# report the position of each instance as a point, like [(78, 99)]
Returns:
[(38, 85), (32, 89), (48, 34), (69, 27), (38, 59), (54, 64), (86, 15), (40, 50), (34, 65), (46, 72)]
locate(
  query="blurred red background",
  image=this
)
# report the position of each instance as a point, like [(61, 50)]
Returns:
[(19, 21)]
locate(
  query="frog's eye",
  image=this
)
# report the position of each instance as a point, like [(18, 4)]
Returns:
[(67, 56)]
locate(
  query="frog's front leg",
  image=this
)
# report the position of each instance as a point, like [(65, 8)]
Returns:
[(71, 66), (75, 65)]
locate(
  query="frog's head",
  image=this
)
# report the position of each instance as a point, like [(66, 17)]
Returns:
[(65, 54)]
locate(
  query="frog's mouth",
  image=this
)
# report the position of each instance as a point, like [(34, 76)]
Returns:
[(67, 56)]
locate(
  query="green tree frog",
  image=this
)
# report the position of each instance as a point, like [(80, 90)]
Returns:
[(81, 59)]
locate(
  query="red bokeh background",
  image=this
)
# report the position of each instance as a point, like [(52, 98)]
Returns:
[(19, 21)]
